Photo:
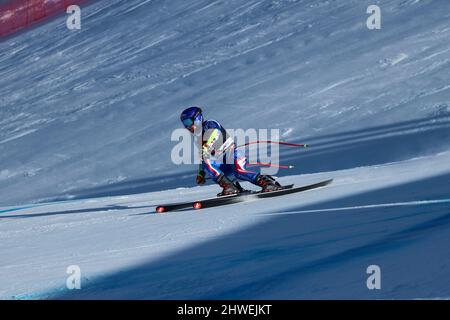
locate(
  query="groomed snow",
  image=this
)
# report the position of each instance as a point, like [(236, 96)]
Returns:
[(85, 124), (316, 244)]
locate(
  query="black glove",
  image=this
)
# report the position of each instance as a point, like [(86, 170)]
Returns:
[(201, 177)]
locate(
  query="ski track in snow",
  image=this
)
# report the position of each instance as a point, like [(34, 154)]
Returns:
[(369, 206)]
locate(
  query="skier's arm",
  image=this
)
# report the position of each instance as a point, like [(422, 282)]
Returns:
[(212, 133), (216, 139), (207, 147)]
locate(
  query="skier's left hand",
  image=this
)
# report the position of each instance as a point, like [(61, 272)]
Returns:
[(201, 178)]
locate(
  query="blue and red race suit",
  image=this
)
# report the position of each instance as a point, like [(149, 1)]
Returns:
[(220, 156)]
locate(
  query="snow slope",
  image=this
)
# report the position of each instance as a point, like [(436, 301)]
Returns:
[(90, 111), (317, 244), (86, 117)]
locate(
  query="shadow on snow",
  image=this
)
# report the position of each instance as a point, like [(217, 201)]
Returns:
[(307, 255), (63, 212)]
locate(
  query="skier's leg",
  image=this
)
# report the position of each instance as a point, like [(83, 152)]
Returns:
[(216, 171), (240, 169), (212, 168), (266, 182)]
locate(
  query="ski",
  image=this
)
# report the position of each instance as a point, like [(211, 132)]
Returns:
[(220, 201), (193, 204), (203, 203), (293, 190), (225, 200)]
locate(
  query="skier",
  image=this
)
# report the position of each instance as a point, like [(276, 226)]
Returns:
[(220, 157)]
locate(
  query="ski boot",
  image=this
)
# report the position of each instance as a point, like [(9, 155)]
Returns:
[(267, 183), (228, 186)]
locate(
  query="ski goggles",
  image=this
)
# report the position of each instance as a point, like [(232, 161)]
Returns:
[(188, 123)]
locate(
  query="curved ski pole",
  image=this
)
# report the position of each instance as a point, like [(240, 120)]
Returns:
[(270, 165), (273, 142)]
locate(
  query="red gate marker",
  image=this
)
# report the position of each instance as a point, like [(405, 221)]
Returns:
[(160, 209), (197, 205)]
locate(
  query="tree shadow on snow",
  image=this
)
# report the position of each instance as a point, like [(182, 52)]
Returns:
[(63, 212), (371, 146), (301, 255), (149, 184)]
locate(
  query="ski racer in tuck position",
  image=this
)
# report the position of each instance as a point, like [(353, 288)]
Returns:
[(220, 158)]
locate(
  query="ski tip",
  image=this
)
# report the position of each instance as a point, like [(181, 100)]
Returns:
[(197, 205), (160, 209)]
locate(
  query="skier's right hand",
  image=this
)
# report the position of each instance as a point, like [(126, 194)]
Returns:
[(201, 177)]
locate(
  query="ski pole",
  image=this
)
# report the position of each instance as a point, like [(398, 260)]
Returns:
[(264, 165), (273, 142), (270, 165)]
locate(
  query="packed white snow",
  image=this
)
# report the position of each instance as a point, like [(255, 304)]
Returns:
[(316, 244)]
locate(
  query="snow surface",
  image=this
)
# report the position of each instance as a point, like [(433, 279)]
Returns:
[(316, 244), (86, 118)]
